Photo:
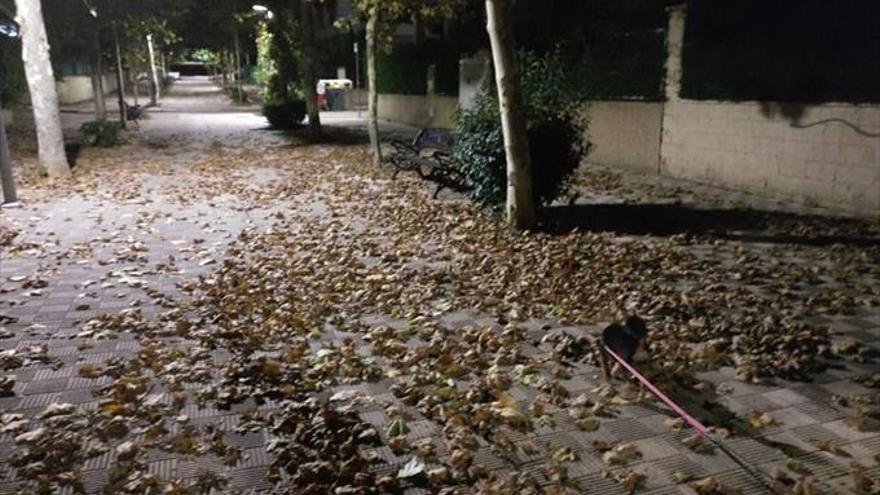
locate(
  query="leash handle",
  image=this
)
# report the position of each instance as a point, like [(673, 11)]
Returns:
[(690, 420)]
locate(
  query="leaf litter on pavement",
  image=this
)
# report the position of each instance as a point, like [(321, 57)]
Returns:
[(337, 306)]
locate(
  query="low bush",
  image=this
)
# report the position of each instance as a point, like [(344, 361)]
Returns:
[(103, 133), (555, 133), (238, 94), (554, 147), (285, 115)]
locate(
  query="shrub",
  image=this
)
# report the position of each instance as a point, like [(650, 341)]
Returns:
[(239, 95), (285, 115), (554, 147), (103, 133), (555, 133)]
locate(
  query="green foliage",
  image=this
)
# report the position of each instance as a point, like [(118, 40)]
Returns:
[(103, 133), (405, 70), (555, 133), (277, 71), (236, 93), (13, 85), (479, 152), (285, 115)]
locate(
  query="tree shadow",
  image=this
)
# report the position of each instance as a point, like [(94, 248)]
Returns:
[(733, 224)]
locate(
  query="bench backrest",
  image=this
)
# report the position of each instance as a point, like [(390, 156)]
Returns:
[(435, 139)]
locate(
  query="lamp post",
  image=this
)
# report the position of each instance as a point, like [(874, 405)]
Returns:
[(263, 10)]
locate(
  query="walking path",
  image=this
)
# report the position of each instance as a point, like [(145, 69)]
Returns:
[(219, 306)]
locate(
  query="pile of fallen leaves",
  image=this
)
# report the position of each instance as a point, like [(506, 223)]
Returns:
[(346, 290)]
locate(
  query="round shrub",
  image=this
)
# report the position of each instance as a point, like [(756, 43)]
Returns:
[(554, 147), (285, 115), (102, 133), (555, 133)]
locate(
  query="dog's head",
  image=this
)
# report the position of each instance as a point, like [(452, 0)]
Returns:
[(637, 326)]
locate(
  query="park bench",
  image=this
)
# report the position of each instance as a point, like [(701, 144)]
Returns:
[(430, 156)]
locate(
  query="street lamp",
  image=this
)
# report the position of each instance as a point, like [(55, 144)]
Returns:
[(263, 10)]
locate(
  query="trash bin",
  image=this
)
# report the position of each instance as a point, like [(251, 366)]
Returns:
[(335, 99)]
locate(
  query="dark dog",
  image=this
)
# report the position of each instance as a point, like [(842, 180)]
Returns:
[(133, 113), (627, 340)]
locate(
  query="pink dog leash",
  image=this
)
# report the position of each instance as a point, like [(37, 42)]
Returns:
[(690, 420)]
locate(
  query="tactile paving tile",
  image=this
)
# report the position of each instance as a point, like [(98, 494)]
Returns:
[(254, 457), (822, 413), (599, 484), (753, 452), (628, 430), (754, 483), (666, 490), (252, 478), (680, 464), (872, 445), (93, 481), (164, 468), (822, 465), (814, 434)]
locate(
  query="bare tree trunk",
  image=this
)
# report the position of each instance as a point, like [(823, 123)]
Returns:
[(520, 206), (154, 95), (41, 84), (310, 80), (373, 91), (120, 81), (238, 82), (135, 83), (98, 75), (6, 177)]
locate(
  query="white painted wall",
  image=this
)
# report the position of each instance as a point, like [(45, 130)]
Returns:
[(737, 145), (419, 110), (747, 146), (75, 89), (625, 134)]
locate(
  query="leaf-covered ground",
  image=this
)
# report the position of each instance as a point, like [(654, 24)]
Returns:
[(215, 307)]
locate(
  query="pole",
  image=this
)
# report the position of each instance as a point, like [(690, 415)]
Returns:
[(357, 79), (120, 83), (9, 196), (154, 97)]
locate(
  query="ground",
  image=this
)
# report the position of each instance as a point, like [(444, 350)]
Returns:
[(219, 306)]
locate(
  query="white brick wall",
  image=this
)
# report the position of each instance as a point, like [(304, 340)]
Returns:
[(625, 134), (737, 145)]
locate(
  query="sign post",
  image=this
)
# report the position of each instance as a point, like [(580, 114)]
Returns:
[(357, 79)]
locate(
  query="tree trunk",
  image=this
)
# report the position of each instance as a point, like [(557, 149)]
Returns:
[(237, 49), (135, 83), (41, 84), (154, 95), (373, 91), (310, 80), (98, 75), (6, 177), (520, 206), (120, 81)]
